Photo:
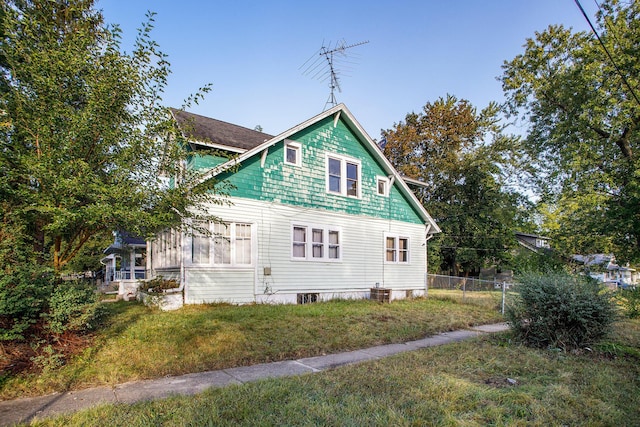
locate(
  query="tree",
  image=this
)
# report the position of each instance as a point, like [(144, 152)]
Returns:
[(461, 155), (584, 123), (85, 145)]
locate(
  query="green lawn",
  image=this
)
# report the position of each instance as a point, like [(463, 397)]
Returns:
[(140, 343), (459, 384)]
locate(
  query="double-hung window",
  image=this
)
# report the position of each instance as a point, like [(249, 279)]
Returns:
[(396, 249), (222, 244), (343, 175), (316, 243)]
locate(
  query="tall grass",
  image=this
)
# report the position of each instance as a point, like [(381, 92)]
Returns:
[(140, 343), (459, 384)]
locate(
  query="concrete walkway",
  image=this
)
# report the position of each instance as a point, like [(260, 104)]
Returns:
[(25, 410)]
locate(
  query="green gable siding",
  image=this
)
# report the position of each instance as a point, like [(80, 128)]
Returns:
[(305, 185), (205, 161)]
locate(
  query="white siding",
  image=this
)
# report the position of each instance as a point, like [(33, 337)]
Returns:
[(362, 266)]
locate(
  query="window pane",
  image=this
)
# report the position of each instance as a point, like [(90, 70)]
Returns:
[(334, 167), (352, 188), (334, 252), (299, 234), (299, 250), (391, 249), (352, 171), (318, 250), (333, 237), (243, 244), (199, 244), (222, 248), (334, 175), (403, 253), (299, 242), (352, 179), (391, 243), (292, 154), (318, 246), (382, 187), (334, 184)]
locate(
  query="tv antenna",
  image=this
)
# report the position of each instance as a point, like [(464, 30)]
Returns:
[(327, 63)]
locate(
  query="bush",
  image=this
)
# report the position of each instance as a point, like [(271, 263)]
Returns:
[(24, 297), (73, 306), (557, 310), (32, 295), (158, 285)]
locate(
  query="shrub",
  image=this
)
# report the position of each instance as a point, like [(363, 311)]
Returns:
[(73, 306), (557, 310), (159, 285), (24, 295)]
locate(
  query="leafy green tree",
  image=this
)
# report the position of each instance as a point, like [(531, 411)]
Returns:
[(464, 158), (584, 126), (85, 145)]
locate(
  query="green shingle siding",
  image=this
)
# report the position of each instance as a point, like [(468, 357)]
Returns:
[(305, 185)]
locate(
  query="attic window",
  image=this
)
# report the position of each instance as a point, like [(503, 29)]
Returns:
[(382, 186), (292, 153)]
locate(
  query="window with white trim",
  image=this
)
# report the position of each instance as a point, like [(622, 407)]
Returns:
[(343, 175), (315, 243), (292, 153), (382, 184), (222, 244), (396, 249)]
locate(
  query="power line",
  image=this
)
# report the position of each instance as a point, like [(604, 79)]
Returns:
[(624, 79)]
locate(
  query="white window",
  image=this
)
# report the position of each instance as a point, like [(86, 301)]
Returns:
[(343, 175), (382, 184), (396, 249), (292, 153), (222, 244), (315, 243), (200, 243)]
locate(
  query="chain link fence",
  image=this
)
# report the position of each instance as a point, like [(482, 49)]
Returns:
[(469, 290)]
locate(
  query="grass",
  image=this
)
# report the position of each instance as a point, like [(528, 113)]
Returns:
[(140, 343), (459, 384)]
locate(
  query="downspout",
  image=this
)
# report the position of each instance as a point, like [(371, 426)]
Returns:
[(426, 258)]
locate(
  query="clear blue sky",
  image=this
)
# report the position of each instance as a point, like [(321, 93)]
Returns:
[(252, 52)]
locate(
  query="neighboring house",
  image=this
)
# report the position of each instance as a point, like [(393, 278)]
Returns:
[(604, 268), (316, 212), (125, 263), (533, 242)]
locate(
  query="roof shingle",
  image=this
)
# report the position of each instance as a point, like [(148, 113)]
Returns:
[(211, 131)]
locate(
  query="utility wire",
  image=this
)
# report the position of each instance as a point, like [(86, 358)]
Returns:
[(607, 52)]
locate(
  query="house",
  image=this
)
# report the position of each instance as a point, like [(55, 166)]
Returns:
[(604, 268), (533, 242), (316, 212), (125, 264)]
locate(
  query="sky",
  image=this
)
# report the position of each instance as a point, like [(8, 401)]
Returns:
[(255, 53)]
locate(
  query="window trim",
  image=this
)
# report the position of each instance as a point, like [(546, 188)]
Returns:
[(344, 160), (396, 248), (386, 182), (213, 246), (309, 243), (298, 149)]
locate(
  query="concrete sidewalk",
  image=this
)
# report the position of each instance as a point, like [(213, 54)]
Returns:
[(24, 410)]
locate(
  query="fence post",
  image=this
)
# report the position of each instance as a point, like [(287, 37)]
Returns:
[(464, 290), (504, 291)]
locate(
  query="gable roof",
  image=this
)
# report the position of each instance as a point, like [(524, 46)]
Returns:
[(201, 130), (340, 111)]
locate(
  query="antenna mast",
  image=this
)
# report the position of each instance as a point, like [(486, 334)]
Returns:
[(325, 67)]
